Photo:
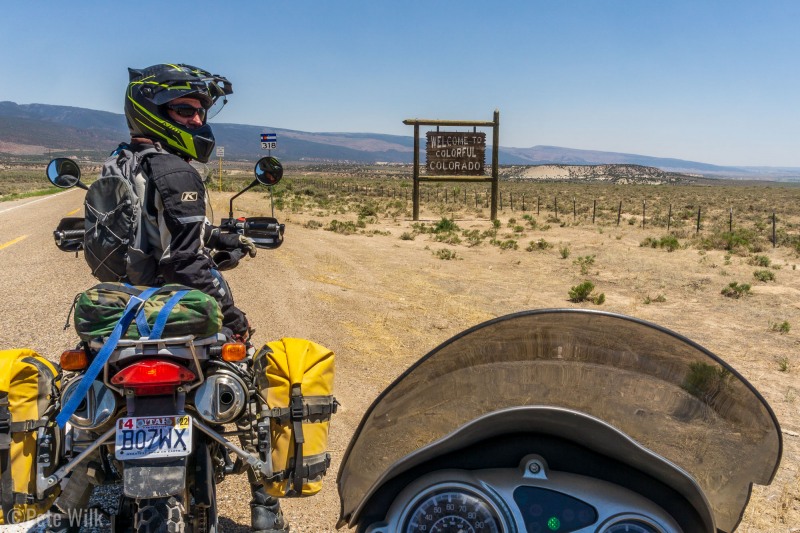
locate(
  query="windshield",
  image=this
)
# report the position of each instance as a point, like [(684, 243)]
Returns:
[(669, 394)]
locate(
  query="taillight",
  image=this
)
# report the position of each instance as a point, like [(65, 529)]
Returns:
[(74, 360), (149, 377)]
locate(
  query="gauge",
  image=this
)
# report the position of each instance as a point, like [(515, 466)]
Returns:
[(453, 510), (631, 526)]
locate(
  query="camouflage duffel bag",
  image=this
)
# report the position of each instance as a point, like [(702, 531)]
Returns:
[(100, 308)]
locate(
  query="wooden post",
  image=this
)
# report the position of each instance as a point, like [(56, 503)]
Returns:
[(555, 207), (538, 205), (495, 162), (594, 210), (644, 211), (619, 212), (730, 222), (416, 173), (698, 221), (774, 237), (574, 210), (669, 217)]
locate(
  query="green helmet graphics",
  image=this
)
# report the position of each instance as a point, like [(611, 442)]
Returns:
[(151, 89)]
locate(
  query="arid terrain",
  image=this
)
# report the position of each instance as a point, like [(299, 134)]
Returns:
[(384, 295)]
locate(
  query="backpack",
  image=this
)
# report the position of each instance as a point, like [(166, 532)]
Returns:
[(295, 378), (115, 242), (28, 397)]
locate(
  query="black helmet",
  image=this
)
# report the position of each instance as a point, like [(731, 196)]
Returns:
[(151, 89)]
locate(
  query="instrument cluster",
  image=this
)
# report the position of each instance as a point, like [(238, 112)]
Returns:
[(530, 499)]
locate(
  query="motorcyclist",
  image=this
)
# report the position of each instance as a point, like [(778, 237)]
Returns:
[(167, 106)]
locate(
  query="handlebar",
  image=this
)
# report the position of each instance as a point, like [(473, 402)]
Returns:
[(69, 234)]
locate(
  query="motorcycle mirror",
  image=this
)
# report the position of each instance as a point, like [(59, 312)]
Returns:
[(64, 173), (268, 171)]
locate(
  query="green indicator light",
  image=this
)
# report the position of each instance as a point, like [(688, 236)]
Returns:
[(554, 524)]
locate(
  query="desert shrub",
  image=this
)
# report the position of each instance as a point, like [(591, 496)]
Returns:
[(445, 225), (313, 224), (407, 236), (782, 328), (564, 251), (445, 254), (583, 293), (541, 244), (783, 363), (736, 290), (473, 237), (760, 260), (508, 244), (739, 240), (669, 243), (448, 238), (345, 228), (584, 262), (764, 275), (658, 299), (649, 242)]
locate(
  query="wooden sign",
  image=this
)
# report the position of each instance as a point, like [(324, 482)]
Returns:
[(456, 153)]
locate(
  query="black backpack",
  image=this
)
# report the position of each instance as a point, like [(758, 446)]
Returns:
[(115, 243)]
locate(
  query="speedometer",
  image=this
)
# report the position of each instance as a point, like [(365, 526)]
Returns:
[(453, 510)]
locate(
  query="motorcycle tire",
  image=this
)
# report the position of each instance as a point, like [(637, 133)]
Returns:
[(160, 515)]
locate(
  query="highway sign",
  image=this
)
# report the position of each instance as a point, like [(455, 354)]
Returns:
[(269, 141)]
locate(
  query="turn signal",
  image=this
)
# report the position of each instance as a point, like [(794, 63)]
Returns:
[(234, 351), (74, 360)]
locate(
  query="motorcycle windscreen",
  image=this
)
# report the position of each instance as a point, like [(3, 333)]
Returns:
[(666, 392)]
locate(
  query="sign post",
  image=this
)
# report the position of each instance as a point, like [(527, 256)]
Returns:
[(220, 157), (457, 156)]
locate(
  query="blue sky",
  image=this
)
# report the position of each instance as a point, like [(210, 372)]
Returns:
[(709, 81)]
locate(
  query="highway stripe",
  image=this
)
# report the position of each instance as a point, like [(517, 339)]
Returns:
[(73, 212), (15, 241), (36, 201)]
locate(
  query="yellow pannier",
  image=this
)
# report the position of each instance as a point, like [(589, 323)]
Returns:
[(28, 392), (295, 378)]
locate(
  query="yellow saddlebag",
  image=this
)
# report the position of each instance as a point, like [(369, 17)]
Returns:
[(28, 390), (295, 378)]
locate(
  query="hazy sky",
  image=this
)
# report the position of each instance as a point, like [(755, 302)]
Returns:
[(709, 81)]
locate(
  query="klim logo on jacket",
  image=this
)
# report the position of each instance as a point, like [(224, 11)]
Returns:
[(189, 196)]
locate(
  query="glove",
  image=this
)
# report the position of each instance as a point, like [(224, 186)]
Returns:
[(234, 241), (248, 245)]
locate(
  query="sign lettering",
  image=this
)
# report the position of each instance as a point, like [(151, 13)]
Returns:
[(456, 153)]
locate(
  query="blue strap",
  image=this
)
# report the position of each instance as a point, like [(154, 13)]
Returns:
[(102, 356), (163, 315), (141, 323)]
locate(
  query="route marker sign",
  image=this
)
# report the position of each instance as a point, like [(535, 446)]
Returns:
[(269, 141)]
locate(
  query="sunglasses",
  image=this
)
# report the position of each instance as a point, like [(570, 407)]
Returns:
[(188, 111)]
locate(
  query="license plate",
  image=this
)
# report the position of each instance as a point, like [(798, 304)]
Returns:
[(139, 437)]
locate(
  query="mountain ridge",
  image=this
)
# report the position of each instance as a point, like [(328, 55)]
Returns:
[(38, 129)]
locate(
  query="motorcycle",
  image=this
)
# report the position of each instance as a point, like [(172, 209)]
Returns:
[(560, 420), (154, 419)]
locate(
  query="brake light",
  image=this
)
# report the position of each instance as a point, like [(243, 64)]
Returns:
[(234, 351), (74, 360), (149, 377)]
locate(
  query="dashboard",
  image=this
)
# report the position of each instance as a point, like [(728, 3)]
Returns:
[(527, 499)]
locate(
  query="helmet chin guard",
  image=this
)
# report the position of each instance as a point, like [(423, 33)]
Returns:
[(151, 89)]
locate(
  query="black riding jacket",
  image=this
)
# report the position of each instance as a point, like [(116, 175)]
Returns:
[(175, 219)]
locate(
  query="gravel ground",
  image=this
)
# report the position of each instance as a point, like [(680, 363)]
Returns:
[(380, 303)]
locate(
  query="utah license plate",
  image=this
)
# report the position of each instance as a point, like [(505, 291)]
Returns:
[(139, 437)]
